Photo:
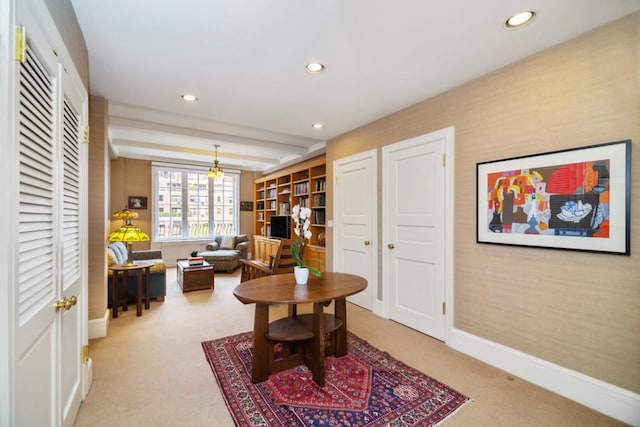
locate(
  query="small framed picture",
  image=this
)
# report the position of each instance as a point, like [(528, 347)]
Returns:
[(246, 206), (137, 202)]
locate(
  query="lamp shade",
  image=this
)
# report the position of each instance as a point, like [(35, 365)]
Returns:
[(128, 233), (215, 172), (126, 215)]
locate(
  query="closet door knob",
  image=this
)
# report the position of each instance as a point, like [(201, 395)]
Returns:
[(65, 303), (391, 246)]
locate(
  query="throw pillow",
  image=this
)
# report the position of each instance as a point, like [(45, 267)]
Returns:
[(213, 246), (119, 251), (111, 257), (228, 242)]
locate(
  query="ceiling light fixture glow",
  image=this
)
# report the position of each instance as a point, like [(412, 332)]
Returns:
[(215, 171), (315, 67), (519, 20), (317, 125), (189, 98)]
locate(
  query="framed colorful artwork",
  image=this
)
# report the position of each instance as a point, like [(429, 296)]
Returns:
[(576, 199)]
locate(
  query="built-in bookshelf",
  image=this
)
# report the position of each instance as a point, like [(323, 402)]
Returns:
[(318, 199), (304, 184)]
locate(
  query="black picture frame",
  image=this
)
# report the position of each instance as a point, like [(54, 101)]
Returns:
[(574, 199), (246, 206), (137, 202)]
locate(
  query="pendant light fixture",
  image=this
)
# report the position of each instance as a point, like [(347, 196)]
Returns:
[(216, 172)]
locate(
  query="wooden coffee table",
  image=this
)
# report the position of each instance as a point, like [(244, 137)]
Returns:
[(195, 277)]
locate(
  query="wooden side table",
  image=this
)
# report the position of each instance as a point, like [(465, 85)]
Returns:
[(120, 279), (195, 277)]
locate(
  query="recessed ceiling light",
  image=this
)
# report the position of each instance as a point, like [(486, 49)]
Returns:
[(317, 125), (189, 98), (519, 20), (315, 67)]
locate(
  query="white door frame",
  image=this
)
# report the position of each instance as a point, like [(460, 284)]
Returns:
[(449, 135)]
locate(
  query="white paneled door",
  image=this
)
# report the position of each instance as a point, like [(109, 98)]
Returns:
[(414, 232), (355, 205)]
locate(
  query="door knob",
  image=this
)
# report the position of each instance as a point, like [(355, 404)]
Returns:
[(62, 303), (367, 242), (391, 246), (66, 303)]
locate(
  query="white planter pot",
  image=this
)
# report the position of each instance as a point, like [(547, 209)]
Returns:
[(301, 274)]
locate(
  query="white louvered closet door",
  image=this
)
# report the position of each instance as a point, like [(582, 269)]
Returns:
[(49, 253), (71, 263), (36, 334)]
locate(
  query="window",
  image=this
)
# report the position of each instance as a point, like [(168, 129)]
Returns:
[(190, 205)]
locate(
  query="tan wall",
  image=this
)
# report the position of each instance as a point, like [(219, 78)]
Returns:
[(575, 309), (246, 195), (98, 203)]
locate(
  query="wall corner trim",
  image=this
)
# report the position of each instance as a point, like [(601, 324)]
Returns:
[(98, 327)]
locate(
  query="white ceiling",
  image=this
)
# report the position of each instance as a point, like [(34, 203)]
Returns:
[(245, 59)]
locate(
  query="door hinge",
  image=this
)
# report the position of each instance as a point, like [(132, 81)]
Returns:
[(85, 135), (337, 180), (21, 45), (444, 308), (444, 160), (84, 353)]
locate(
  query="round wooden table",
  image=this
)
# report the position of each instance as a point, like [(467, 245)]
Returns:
[(282, 289)]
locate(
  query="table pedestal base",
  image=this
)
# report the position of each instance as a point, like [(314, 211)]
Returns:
[(299, 339)]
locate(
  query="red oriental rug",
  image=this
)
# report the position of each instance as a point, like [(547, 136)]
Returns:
[(367, 387)]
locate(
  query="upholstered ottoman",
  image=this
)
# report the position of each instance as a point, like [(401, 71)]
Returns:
[(222, 259)]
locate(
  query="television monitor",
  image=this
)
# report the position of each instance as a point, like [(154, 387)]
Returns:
[(280, 227)]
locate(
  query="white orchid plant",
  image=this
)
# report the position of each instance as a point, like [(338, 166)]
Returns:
[(302, 220)]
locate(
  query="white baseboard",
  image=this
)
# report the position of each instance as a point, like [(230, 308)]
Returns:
[(608, 399), (98, 327)]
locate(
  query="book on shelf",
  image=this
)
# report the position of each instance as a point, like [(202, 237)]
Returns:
[(301, 188), (318, 216), (318, 200), (284, 208)]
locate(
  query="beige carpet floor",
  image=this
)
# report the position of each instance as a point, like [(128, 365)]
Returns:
[(151, 370)]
